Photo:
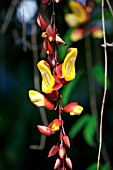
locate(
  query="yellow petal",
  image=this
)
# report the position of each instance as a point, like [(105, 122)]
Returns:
[(36, 98), (77, 110), (79, 11), (68, 67), (47, 78), (55, 127), (71, 20)]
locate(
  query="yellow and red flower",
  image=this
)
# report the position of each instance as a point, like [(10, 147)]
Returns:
[(77, 34), (52, 128), (40, 100), (68, 66), (96, 32), (65, 73), (66, 70), (48, 80), (50, 83), (79, 15), (73, 109)]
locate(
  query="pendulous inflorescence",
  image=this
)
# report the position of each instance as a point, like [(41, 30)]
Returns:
[(55, 75)]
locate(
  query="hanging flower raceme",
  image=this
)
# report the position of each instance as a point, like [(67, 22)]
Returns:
[(54, 76)]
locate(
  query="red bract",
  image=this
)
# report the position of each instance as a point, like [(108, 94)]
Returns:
[(57, 163), (51, 60), (53, 95), (48, 47), (62, 152), (44, 130), (58, 83), (66, 141), (61, 136), (68, 162), (51, 33), (68, 108), (53, 151), (41, 22), (45, 1), (56, 1), (49, 105), (59, 71)]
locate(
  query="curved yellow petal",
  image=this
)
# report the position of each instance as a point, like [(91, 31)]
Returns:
[(79, 11), (77, 110), (36, 98), (71, 20), (55, 127), (68, 67), (47, 78)]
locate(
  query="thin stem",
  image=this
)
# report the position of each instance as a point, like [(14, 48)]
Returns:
[(110, 8), (9, 16), (24, 30), (37, 87), (93, 105), (53, 9), (105, 88), (92, 92)]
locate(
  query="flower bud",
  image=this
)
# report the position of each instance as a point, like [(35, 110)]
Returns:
[(57, 163)]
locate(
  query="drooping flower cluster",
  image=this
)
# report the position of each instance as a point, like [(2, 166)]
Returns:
[(80, 18), (55, 75)]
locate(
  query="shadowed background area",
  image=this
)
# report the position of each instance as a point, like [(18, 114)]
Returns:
[(19, 53)]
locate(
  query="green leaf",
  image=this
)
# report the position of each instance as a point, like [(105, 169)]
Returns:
[(92, 167), (98, 73), (105, 167), (67, 90), (98, 2), (89, 131), (78, 125), (63, 50)]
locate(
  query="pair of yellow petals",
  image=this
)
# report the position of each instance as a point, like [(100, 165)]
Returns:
[(79, 15), (68, 71)]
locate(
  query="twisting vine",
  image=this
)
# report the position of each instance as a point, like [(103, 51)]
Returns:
[(54, 76), (105, 86)]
